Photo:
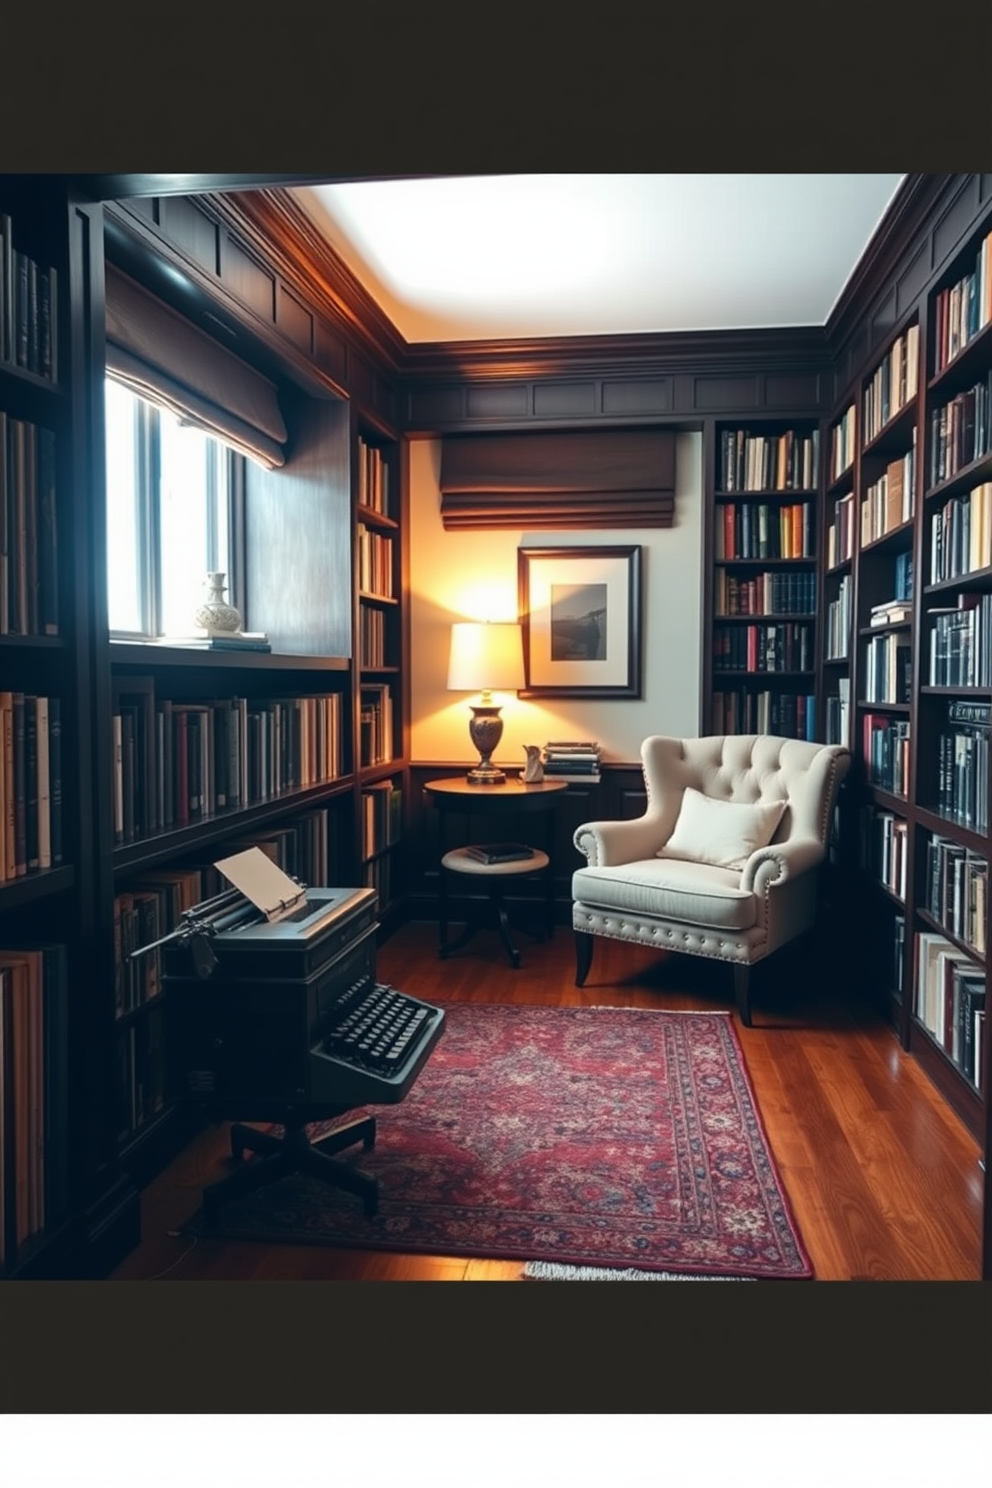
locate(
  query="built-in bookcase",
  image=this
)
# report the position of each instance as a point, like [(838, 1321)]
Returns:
[(840, 530), (762, 665), (379, 650), (51, 1139), (921, 569)]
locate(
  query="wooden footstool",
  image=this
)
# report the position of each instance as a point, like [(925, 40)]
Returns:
[(494, 908)]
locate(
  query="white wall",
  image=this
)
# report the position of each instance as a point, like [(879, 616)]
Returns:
[(473, 576)]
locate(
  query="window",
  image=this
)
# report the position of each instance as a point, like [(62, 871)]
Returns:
[(172, 492)]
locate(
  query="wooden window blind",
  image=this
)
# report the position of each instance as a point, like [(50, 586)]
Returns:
[(163, 357), (579, 478)]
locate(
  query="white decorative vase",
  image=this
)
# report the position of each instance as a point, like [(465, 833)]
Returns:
[(215, 616)]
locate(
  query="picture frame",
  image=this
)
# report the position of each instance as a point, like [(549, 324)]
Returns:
[(580, 610)]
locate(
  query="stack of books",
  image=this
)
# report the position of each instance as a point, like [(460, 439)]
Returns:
[(572, 759), (892, 612)]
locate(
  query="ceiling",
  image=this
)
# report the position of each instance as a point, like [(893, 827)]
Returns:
[(456, 258)]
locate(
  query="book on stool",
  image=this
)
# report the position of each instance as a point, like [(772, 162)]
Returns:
[(500, 852)]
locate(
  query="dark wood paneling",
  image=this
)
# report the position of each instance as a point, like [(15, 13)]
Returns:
[(147, 207), (568, 399), (793, 391), (330, 352), (498, 400), (299, 593), (634, 396), (953, 223), (714, 394), (883, 319), (248, 280), (191, 230), (912, 280), (430, 408), (361, 380), (294, 320)]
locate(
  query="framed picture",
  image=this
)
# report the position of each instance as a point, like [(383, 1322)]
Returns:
[(580, 609)]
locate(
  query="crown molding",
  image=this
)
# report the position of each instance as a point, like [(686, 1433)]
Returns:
[(282, 234), (649, 354), (911, 207)]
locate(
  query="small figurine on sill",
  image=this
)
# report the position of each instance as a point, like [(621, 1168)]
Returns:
[(533, 771)]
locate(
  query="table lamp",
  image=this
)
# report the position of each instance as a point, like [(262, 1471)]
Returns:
[(485, 655)]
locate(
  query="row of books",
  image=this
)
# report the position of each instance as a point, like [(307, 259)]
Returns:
[(377, 873), (885, 748), (28, 308), (838, 627), (786, 646), (837, 713), (375, 724), (961, 643), (961, 534), (30, 784), (34, 1116), (957, 889), (842, 446), (891, 500), (372, 637), (884, 848), (888, 668), (375, 563), (151, 904), (963, 308), (142, 1073), (893, 384), (962, 793), (769, 462), (178, 762), (382, 816), (29, 588), (840, 533), (373, 477), (769, 593), (572, 759), (744, 711), (950, 1001), (961, 431), (748, 530)]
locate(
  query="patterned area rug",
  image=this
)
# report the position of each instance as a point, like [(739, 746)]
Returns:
[(603, 1137)]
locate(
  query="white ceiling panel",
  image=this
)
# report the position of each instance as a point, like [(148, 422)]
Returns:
[(504, 256)]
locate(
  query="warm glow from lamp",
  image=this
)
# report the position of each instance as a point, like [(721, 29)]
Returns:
[(485, 656)]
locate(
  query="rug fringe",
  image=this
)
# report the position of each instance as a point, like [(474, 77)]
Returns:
[(553, 1271)]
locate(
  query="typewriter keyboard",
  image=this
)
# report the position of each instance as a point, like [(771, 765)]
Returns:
[(376, 1027)]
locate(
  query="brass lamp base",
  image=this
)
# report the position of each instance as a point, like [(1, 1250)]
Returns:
[(483, 775), (486, 730)]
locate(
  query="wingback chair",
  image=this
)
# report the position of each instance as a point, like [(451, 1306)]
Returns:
[(723, 862)]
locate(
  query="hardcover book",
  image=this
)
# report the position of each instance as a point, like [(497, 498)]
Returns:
[(500, 852)]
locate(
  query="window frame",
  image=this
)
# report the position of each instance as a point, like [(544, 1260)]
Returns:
[(148, 554)]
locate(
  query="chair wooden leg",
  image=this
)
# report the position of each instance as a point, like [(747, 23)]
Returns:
[(583, 956), (742, 991)]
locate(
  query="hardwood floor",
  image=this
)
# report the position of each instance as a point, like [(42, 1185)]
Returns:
[(883, 1179)]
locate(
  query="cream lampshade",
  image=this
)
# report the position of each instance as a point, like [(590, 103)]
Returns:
[(485, 656)]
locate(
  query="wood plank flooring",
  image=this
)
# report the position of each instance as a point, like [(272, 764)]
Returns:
[(883, 1179)]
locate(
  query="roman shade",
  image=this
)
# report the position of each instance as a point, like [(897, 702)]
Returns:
[(579, 478), (163, 357)]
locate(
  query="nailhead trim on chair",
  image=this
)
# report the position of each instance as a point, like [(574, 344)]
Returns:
[(611, 929)]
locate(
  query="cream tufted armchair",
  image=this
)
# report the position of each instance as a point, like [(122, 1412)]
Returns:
[(723, 861)]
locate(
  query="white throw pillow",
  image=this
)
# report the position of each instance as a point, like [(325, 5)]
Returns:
[(724, 833)]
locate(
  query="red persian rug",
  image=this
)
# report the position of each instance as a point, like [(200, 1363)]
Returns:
[(607, 1137)]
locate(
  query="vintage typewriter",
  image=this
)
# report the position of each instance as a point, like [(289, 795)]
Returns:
[(274, 1012)]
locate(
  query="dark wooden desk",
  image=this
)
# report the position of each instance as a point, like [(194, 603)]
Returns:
[(489, 803)]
